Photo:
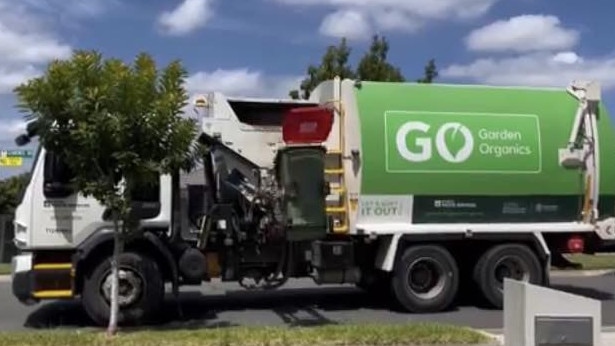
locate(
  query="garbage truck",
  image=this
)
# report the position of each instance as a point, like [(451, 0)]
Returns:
[(411, 190)]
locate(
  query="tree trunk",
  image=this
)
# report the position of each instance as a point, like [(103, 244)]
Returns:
[(117, 249)]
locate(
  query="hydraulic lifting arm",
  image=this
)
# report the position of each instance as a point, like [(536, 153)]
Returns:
[(582, 151)]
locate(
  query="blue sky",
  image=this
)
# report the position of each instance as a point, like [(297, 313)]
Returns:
[(262, 47)]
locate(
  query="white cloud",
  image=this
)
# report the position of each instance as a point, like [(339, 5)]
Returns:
[(395, 15), (536, 69), (523, 33), (541, 54), (71, 8), (26, 46), (27, 41), (567, 57), (9, 129), (10, 78), (242, 82), (187, 17), (392, 20), (351, 24)]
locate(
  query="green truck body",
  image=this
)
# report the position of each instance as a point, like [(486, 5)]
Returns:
[(477, 153)]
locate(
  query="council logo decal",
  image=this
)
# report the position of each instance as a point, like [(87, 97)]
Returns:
[(454, 142)]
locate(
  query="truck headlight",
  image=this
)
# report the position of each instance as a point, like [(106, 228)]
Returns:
[(21, 236)]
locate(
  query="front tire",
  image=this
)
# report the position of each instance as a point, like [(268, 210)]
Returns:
[(515, 261), (425, 279), (141, 290)]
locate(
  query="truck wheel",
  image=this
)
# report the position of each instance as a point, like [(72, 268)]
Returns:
[(141, 290), (425, 279), (515, 261)]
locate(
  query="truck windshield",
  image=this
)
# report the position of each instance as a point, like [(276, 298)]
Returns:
[(37, 153)]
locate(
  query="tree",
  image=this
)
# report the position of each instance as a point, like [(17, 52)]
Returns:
[(430, 73), (10, 190), (374, 65), (333, 63), (117, 126)]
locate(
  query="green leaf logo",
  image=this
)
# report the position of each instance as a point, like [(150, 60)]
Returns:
[(454, 142)]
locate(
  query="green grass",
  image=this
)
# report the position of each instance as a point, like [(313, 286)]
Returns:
[(5, 268), (593, 262), (359, 335)]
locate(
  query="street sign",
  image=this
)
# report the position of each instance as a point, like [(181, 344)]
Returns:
[(16, 153), (11, 161)]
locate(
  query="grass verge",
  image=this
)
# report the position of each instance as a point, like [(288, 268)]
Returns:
[(594, 262), (5, 268), (359, 335)]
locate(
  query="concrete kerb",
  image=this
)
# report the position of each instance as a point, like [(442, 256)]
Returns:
[(581, 273), (497, 338)]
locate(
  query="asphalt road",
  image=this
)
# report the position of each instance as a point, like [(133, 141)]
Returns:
[(299, 303)]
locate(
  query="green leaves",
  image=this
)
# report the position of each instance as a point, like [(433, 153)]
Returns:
[(373, 66), (430, 72), (333, 63), (110, 120), (10, 190)]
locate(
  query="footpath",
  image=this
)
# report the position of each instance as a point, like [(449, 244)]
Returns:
[(607, 334)]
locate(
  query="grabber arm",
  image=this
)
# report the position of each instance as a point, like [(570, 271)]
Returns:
[(582, 149)]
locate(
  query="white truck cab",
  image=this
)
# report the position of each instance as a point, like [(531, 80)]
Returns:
[(53, 221)]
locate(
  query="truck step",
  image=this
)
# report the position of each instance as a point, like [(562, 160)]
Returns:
[(338, 190), (340, 229), (53, 294), (52, 266), (336, 209)]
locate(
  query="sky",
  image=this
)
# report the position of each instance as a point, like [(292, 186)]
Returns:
[(262, 47)]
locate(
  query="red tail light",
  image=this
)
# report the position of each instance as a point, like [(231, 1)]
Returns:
[(307, 125), (575, 244)]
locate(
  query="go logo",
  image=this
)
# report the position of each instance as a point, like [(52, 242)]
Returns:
[(453, 142)]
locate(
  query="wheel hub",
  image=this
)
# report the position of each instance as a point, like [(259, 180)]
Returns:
[(129, 288), (510, 267), (426, 278)]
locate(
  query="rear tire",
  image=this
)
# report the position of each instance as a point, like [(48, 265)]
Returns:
[(425, 279), (514, 261), (141, 290)]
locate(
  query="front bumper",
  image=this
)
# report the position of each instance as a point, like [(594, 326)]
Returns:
[(22, 279)]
